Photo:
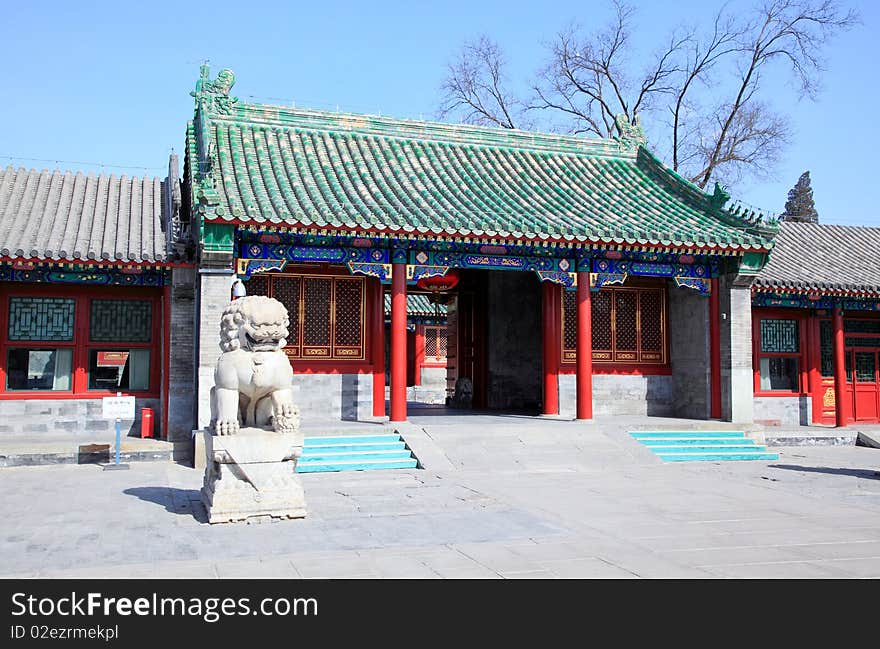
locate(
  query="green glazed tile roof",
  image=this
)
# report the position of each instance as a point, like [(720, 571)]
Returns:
[(282, 166), (418, 304)]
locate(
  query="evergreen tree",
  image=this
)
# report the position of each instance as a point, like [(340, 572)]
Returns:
[(800, 206)]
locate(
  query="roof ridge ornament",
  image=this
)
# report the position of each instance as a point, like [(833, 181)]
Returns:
[(631, 134), (214, 95)]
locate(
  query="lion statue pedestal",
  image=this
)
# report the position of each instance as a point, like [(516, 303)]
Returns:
[(254, 441)]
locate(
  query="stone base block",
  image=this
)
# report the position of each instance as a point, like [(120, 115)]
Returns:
[(251, 474)]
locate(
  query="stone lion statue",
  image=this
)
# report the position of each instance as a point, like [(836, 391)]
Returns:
[(253, 382), (464, 393)]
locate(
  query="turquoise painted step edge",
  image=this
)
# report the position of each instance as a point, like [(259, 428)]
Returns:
[(349, 439), (388, 446), (714, 457), (753, 448), (353, 457), (689, 433), (393, 464), (694, 440)]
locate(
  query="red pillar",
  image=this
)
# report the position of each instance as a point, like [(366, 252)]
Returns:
[(419, 359), (398, 342), (715, 351), (840, 400), (584, 347), (377, 329), (550, 326)]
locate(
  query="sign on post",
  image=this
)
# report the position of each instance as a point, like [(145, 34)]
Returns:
[(117, 408)]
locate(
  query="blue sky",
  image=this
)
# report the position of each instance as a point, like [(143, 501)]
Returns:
[(109, 82)]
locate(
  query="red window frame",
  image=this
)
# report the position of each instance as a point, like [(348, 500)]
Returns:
[(81, 344), (360, 363), (438, 332), (602, 364), (803, 343)]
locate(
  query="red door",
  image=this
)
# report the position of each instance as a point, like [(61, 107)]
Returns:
[(866, 386)]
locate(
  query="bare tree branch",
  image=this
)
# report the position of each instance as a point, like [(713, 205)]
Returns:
[(474, 87)]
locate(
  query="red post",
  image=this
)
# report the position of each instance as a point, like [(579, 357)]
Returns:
[(550, 315), (584, 347), (840, 403), (715, 350), (398, 342), (419, 360), (377, 329)]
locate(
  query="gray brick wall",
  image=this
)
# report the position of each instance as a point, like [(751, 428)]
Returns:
[(76, 418), (689, 352), (181, 370), (737, 390), (615, 394), (783, 411), (214, 294)]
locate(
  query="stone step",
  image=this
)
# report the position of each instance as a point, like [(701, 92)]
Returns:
[(326, 456), (689, 448), (701, 433), (698, 441), (323, 440), (356, 465), (354, 447), (715, 456)]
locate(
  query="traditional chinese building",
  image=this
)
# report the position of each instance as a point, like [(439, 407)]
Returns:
[(816, 329), (87, 303), (592, 279)]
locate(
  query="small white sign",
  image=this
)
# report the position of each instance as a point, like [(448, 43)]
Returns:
[(118, 407)]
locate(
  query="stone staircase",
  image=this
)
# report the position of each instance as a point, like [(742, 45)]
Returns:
[(702, 446), (355, 453)]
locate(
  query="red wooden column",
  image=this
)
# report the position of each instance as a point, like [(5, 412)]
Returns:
[(398, 341), (377, 340), (550, 333), (419, 359), (715, 351), (584, 347), (840, 402)]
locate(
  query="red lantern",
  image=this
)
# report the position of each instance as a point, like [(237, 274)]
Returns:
[(439, 283)]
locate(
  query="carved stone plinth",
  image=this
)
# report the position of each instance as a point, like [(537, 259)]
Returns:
[(251, 474)]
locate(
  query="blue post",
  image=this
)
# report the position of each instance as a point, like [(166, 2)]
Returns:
[(117, 442)]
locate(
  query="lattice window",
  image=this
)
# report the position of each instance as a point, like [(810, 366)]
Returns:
[(626, 336), (121, 321), (435, 343), (287, 291), (41, 318), (779, 336), (826, 348), (349, 317), (866, 367), (257, 285), (628, 325), (327, 315), (861, 326), (317, 292)]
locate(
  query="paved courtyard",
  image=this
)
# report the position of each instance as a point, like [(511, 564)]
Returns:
[(501, 497)]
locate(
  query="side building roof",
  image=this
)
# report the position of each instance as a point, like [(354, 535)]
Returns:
[(814, 257), (67, 216), (262, 165)]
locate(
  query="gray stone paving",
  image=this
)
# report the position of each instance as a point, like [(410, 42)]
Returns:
[(500, 498)]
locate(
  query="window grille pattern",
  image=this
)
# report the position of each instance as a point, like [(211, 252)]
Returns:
[(867, 341), (316, 316), (257, 285), (287, 291), (779, 336), (826, 348), (121, 321), (861, 326), (866, 367), (41, 318), (628, 326), (435, 343), (349, 314), (327, 314)]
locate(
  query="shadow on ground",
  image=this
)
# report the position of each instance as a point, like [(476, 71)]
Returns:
[(177, 501), (856, 473)]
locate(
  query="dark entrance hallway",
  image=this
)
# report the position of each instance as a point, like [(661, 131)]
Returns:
[(494, 339)]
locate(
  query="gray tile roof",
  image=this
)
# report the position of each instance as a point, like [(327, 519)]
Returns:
[(418, 304), (814, 256), (62, 216)]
